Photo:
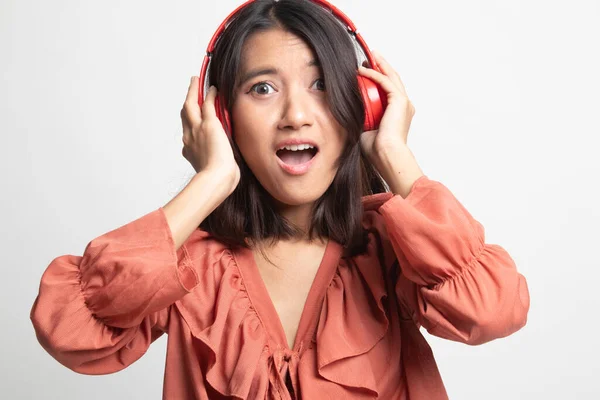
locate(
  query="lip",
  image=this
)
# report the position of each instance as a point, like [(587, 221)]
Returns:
[(299, 169)]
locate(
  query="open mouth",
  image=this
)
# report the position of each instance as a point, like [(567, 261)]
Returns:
[(297, 155)]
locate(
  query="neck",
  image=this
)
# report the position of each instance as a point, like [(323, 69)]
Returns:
[(300, 216)]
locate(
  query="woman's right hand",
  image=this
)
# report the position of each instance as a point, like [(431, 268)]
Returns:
[(205, 143)]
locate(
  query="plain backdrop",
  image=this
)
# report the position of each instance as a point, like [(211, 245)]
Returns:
[(507, 98)]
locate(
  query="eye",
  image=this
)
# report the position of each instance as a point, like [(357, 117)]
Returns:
[(262, 88), (320, 83)]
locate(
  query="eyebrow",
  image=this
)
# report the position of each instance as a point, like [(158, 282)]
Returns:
[(270, 71)]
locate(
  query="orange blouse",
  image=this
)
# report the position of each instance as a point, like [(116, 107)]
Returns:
[(98, 313)]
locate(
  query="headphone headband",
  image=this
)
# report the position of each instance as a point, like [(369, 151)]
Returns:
[(326, 5)]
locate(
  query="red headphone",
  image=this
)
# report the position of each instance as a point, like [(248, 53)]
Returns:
[(374, 98)]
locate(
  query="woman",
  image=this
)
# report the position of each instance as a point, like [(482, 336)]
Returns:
[(285, 269)]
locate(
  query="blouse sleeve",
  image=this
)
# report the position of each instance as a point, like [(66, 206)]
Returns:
[(98, 313), (451, 282)]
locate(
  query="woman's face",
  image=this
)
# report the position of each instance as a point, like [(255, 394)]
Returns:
[(281, 101)]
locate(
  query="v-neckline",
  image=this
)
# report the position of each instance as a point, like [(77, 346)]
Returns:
[(264, 306)]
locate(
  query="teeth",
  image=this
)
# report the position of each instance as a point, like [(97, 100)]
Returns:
[(295, 147)]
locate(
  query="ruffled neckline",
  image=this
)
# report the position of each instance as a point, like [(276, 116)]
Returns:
[(244, 321), (265, 308)]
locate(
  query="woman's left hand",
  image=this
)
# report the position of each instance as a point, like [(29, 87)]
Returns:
[(393, 129), (386, 147)]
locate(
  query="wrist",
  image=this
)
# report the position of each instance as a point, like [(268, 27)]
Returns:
[(217, 182), (399, 169)]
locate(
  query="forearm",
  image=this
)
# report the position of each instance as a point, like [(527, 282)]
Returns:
[(195, 202), (399, 169)]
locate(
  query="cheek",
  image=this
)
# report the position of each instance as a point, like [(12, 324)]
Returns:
[(249, 139), (247, 145), (253, 126)]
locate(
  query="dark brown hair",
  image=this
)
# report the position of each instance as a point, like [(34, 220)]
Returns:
[(249, 212)]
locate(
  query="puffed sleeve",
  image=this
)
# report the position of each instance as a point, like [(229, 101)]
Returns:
[(451, 282), (98, 313)]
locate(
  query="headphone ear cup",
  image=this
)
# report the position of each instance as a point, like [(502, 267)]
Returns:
[(374, 101), (223, 116)]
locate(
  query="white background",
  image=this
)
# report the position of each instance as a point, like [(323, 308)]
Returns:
[(507, 98)]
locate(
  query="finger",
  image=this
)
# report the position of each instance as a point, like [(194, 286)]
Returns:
[(192, 94), (191, 109), (387, 69), (382, 80)]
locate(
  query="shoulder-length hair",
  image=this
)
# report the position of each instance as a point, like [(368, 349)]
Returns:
[(249, 212)]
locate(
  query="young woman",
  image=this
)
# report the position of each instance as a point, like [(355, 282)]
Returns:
[(304, 255)]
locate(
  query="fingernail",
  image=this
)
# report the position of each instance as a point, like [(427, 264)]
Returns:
[(192, 79)]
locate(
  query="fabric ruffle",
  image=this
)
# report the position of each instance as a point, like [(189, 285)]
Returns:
[(220, 315), (352, 322)]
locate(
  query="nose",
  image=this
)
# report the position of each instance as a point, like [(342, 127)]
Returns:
[(297, 111)]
